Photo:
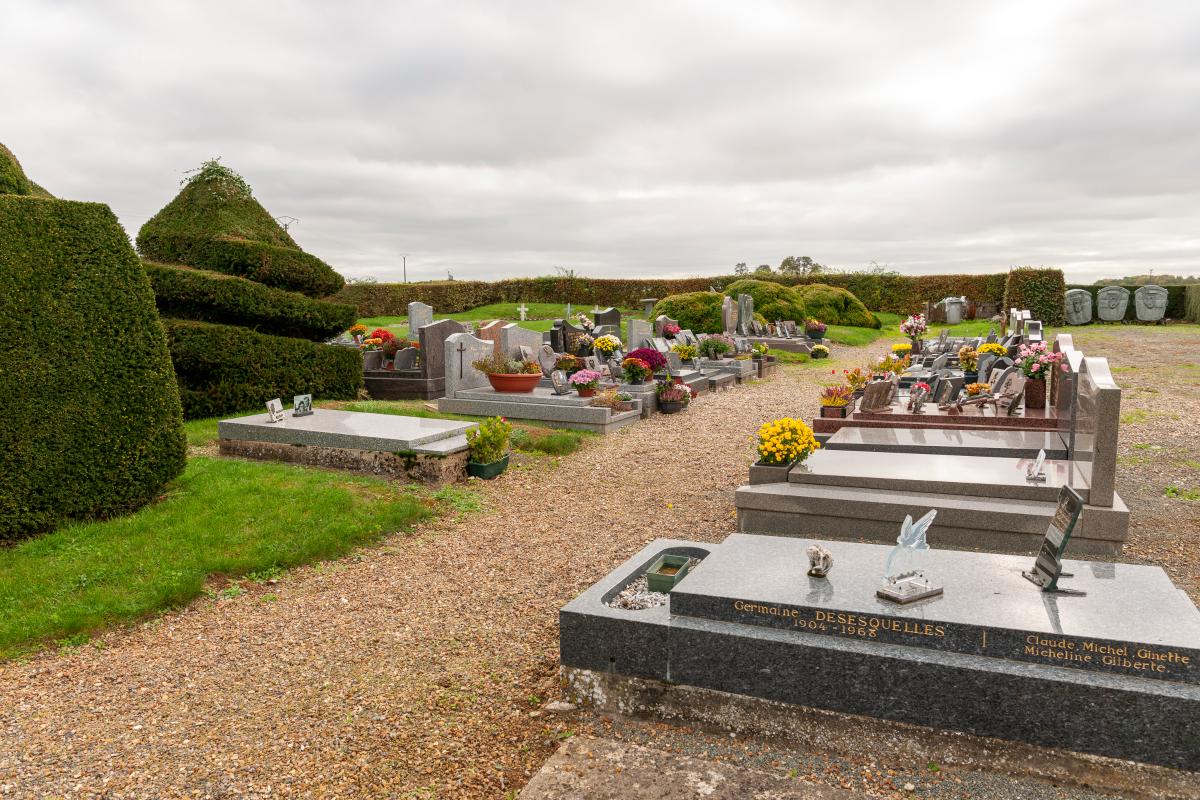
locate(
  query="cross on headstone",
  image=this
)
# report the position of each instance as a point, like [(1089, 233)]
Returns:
[(461, 349), (568, 310), (523, 310)]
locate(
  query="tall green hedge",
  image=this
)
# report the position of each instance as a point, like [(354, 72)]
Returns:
[(879, 291), (184, 293), (89, 411), (1176, 300), (699, 312), (1042, 291), (1191, 308), (829, 304), (774, 301), (223, 369), (12, 176), (279, 267)]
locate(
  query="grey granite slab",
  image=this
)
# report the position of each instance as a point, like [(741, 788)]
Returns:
[(1133, 620), (946, 441), (540, 395), (944, 474), (1043, 703), (346, 429)]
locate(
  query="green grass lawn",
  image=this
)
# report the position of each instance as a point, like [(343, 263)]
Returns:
[(222, 517), (540, 316)]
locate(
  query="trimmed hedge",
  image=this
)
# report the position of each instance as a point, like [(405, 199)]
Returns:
[(278, 267), (699, 312), (835, 306), (222, 369), (184, 293), (774, 301), (1191, 311), (12, 177), (1042, 291), (91, 415), (881, 291), (1176, 300)]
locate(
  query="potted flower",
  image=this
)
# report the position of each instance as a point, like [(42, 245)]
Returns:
[(914, 328), (357, 332), (759, 351), (636, 370), (613, 400), (716, 346), (672, 397), (585, 382), (655, 359), (815, 329), (583, 344), (372, 353), (857, 379), (995, 348), (687, 352), (819, 351), (606, 345), (670, 330), (1036, 362), (781, 444), (978, 389), (968, 360), (488, 446), (585, 321), (901, 349), (835, 401), (520, 377)]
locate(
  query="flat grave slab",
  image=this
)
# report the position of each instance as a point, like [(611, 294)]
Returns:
[(945, 441), (344, 429), (971, 416), (946, 474), (542, 405), (541, 395), (748, 621)]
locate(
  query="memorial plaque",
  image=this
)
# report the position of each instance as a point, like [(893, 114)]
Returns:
[(275, 410), (877, 397), (302, 405), (558, 379), (1111, 303), (1047, 569), (1150, 303), (1079, 306)]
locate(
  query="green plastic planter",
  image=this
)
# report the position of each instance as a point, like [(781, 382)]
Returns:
[(487, 471), (657, 581)]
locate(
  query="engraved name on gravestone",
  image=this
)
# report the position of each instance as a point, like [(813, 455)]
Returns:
[(1079, 306), (419, 315), (877, 397), (1150, 303), (1111, 303)]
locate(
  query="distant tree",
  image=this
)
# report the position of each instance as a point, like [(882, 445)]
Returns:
[(1142, 280), (565, 272), (740, 268), (800, 267), (762, 269)]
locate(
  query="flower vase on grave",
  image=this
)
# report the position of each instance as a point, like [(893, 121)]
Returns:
[(1035, 393)]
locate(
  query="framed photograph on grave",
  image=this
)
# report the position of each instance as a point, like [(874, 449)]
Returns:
[(1047, 569), (558, 378), (275, 410), (302, 405)]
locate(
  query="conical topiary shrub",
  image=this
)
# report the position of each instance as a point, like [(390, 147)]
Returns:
[(237, 296), (90, 423)]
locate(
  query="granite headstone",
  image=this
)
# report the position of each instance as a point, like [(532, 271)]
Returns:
[(1079, 306), (419, 315), (1150, 302), (1112, 302), (461, 350)]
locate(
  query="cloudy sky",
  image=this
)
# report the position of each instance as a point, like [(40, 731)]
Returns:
[(633, 139)]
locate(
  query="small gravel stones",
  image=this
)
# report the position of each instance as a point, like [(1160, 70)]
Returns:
[(637, 596)]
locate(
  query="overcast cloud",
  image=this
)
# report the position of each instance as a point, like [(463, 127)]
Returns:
[(499, 139)]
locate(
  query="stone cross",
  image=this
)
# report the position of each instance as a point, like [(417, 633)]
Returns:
[(522, 310)]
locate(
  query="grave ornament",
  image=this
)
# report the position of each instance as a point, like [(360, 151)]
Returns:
[(1111, 303), (877, 398), (1048, 567), (820, 561), (1079, 306), (1036, 473), (302, 405), (558, 379), (275, 410), (904, 579), (1150, 303)]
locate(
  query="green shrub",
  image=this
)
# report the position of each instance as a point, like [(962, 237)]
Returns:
[(90, 423), (223, 369), (1191, 310), (12, 177), (699, 312), (774, 301), (835, 306), (183, 293), (1042, 291), (215, 223)]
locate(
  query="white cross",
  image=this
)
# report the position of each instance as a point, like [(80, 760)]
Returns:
[(523, 309), (596, 309), (568, 309)]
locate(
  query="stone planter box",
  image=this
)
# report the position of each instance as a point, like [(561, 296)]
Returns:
[(835, 412), (372, 359), (768, 473)]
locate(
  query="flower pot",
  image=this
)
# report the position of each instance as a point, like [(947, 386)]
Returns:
[(670, 406), (817, 337), (665, 572), (837, 412), (970, 377), (768, 473), (372, 359), (1035, 393), (587, 392), (519, 384), (487, 471)]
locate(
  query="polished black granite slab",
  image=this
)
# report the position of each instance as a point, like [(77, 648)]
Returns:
[(1133, 621), (1119, 714)]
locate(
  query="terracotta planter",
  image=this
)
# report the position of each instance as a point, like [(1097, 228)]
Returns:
[(516, 384), (587, 392), (1035, 394), (837, 412)]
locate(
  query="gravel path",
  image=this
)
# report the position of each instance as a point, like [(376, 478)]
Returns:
[(416, 668)]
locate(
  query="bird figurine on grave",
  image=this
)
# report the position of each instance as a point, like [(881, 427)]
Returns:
[(907, 558)]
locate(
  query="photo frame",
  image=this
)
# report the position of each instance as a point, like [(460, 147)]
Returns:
[(302, 405), (558, 379), (275, 410)]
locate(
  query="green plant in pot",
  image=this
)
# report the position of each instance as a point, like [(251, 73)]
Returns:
[(636, 370), (716, 346), (488, 445)]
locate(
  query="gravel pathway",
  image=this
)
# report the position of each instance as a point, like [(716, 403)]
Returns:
[(417, 668)]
